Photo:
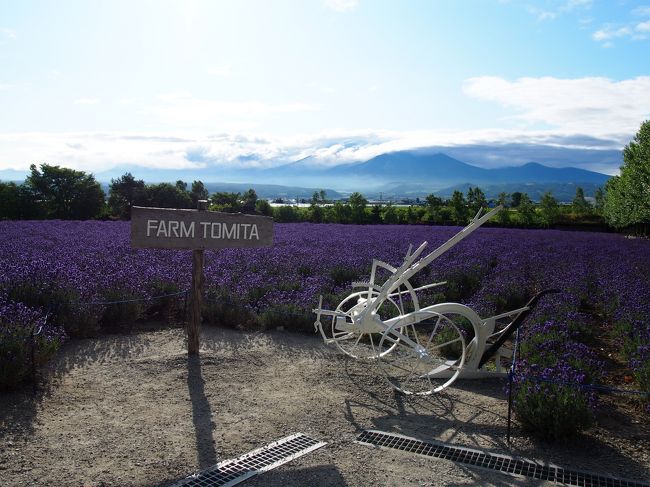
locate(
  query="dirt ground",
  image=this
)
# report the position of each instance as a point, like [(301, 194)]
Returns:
[(135, 411)]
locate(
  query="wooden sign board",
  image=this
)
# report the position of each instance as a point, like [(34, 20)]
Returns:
[(163, 228)]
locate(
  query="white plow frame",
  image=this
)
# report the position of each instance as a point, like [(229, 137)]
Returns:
[(419, 350)]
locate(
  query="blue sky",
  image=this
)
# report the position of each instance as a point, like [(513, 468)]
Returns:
[(191, 84)]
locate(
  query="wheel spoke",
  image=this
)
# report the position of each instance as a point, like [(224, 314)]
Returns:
[(391, 339), (435, 347), (435, 329), (372, 344), (410, 367), (356, 343), (353, 341)]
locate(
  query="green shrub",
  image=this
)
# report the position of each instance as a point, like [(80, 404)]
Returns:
[(222, 309), (629, 341), (288, 316), (343, 275), (168, 307), (16, 346), (462, 284), (122, 313), (552, 411), (62, 306)]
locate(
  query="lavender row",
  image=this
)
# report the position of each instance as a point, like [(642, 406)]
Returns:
[(602, 276)]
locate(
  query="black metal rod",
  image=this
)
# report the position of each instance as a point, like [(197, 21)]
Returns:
[(510, 374), (513, 326)]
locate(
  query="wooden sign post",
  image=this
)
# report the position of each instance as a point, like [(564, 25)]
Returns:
[(196, 230)]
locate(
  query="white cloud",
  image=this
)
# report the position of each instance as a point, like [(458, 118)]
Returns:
[(559, 8), (86, 101), (94, 152), (342, 5), (634, 30), (595, 106), (323, 88), (541, 14), (187, 111), (7, 33), (643, 26), (6, 86), (100, 152), (219, 71), (128, 101), (609, 32), (642, 11)]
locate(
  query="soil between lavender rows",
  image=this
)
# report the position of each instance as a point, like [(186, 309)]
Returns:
[(135, 411)]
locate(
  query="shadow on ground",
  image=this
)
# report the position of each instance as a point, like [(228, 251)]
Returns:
[(201, 414), (451, 416)]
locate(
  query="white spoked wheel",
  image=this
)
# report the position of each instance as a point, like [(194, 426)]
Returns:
[(426, 356), (353, 341)]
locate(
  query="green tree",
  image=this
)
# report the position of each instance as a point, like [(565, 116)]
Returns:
[(434, 202), (316, 214), (411, 216), (227, 202), (249, 199), (475, 199), (600, 200), (263, 207), (17, 202), (65, 193), (375, 214), (358, 206), (516, 199), (389, 216), (125, 192), (198, 192), (549, 209), (166, 195), (526, 210), (340, 213), (434, 206), (459, 208), (503, 217), (285, 214), (580, 205), (9, 201), (627, 197)]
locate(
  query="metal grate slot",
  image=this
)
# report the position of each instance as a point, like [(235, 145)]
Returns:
[(232, 472), (493, 461)]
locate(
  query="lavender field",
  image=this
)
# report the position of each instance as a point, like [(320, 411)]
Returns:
[(70, 270)]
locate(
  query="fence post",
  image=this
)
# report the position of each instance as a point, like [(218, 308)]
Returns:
[(194, 325)]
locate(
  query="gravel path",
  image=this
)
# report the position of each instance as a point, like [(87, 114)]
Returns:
[(134, 411)]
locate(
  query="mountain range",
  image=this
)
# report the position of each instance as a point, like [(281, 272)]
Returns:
[(389, 176), (411, 174)]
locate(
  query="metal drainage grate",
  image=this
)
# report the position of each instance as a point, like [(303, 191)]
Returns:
[(232, 472), (492, 461)]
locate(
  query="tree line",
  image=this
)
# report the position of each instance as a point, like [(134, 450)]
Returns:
[(67, 194), (54, 192), (61, 193), (518, 210)]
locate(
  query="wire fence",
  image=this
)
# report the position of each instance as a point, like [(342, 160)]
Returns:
[(287, 313), (133, 300)]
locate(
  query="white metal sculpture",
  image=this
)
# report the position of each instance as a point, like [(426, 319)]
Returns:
[(420, 350)]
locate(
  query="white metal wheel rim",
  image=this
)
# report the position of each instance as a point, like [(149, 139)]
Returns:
[(458, 364), (338, 335)]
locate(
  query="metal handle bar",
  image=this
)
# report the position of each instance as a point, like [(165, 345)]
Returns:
[(408, 268), (512, 327)]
